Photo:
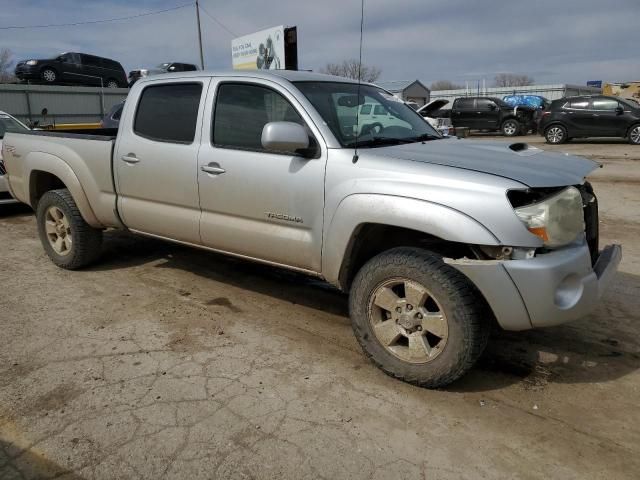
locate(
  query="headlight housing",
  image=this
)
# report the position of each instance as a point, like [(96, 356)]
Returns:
[(32, 62), (558, 219)]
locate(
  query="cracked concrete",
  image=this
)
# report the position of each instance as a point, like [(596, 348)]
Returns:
[(166, 362)]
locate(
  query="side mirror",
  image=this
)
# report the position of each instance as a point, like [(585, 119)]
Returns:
[(284, 137), (492, 107), (619, 110)]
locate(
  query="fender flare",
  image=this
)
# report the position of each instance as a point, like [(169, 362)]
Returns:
[(48, 163), (420, 215)]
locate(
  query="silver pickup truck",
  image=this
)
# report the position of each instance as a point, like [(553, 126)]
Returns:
[(434, 239)]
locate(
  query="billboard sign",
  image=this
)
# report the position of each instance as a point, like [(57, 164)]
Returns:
[(594, 83), (271, 49)]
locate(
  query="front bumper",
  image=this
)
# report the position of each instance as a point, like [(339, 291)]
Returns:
[(549, 289), (27, 72)]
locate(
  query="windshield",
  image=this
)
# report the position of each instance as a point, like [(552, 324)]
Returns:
[(163, 66), (9, 124), (376, 118)]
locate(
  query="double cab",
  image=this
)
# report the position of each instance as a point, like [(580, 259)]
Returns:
[(434, 239)]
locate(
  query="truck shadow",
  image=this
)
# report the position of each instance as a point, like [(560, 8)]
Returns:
[(18, 463), (599, 348)]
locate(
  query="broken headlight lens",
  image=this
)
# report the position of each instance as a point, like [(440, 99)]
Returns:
[(558, 220)]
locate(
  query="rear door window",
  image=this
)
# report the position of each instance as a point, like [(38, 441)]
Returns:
[(168, 113), (365, 109), (607, 104), (484, 104), (464, 104)]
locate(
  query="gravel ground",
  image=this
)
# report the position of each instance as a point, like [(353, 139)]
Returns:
[(167, 362)]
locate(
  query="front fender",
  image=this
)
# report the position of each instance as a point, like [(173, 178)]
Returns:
[(428, 217), (45, 162)]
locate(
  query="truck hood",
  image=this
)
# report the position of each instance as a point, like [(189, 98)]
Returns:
[(528, 165)]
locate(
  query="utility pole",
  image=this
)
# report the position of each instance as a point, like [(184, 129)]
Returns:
[(199, 34)]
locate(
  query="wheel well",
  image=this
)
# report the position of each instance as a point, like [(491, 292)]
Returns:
[(633, 125), (40, 183), (553, 124), (371, 239), (47, 67)]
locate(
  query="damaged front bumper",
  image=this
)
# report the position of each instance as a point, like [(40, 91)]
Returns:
[(548, 289)]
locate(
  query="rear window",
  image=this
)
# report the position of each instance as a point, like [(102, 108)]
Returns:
[(168, 113)]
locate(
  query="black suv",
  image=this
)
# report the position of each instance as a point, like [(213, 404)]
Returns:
[(591, 116), (489, 113), (74, 68)]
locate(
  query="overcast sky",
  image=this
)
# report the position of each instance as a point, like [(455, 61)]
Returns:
[(554, 41)]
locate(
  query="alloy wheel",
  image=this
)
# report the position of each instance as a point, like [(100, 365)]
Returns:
[(49, 75), (112, 84), (510, 128), (58, 231), (555, 135), (408, 321), (634, 135)]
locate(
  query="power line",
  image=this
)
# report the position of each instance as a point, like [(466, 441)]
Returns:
[(155, 12), (217, 21)]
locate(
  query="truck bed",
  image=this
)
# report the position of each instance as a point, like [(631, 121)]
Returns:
[(76, 158)]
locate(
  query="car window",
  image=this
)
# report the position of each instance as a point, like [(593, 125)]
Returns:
[(90, 60), (379, 110), (608, 104), (464, 103), (118, 113), (8, 124), (242, 111), (484, 104), (168, 113), (365, 109), (579, 104)]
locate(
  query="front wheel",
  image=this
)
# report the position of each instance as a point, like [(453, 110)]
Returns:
[(510, 128), (418, 319), (69, 241), (49, 75), (634, 135)]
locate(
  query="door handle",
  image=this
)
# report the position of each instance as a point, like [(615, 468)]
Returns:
[(596, 114), (213, 169), (130, 158)]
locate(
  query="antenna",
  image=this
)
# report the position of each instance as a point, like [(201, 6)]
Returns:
[(355, 153), (199, 33)]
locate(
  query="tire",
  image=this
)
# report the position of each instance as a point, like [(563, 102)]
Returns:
[(49, 75), (555, 134), (69, 241), (455, 316), (112, 83), (510, 127), (634, 134)]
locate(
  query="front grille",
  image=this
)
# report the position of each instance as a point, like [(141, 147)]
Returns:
[(590, 205), (3, 170)]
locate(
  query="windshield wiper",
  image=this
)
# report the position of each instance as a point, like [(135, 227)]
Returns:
[(423, 138), (380, 141)]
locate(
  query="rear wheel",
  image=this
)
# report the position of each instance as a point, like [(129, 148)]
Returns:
[(556, 134), (69, 241), (634, 134), (49, 75), (416, 318), (510, 128)]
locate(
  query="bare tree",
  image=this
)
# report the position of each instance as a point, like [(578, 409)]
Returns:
[(6, 62), (349, 69), (512, 80), (445, 85)]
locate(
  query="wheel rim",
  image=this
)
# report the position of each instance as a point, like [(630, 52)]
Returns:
[(509, 128), (555, 135), (112, 84), (58, 231), (635, 134), (408, 321), (49, 75)]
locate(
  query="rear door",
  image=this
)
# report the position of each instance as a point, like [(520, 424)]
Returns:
[(463, 113), (578, 113), (71, 68), (156, 160), (257, 203), (91, 69)]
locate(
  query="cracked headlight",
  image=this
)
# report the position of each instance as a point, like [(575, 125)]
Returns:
[(558, 220)]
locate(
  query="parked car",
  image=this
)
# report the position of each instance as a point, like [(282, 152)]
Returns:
[(168, 67), (7, 124), (112, 119), (432, 113), (73, 68), (489, 113), (590, 116), (433, 239)]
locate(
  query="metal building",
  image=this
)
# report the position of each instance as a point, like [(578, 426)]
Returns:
[(408, 90), (550, 92)]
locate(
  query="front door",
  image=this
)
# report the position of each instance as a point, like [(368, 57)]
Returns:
[(464, 113), (256, 203), (578, 117), (156, 160), (487, 113)]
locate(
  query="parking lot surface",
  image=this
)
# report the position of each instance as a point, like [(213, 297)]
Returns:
[(165, 362)]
